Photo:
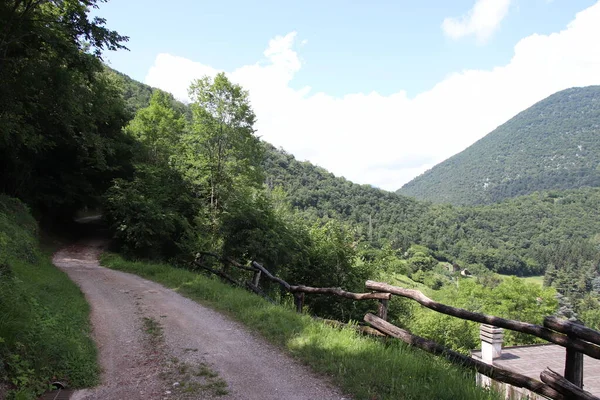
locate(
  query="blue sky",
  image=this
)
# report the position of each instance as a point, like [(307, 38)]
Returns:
[(361, 61)]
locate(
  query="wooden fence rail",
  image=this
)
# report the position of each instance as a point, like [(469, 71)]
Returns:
[(541, 332), (577, 339), (572, 328), (560, 384), (430, 346), (297, 290)]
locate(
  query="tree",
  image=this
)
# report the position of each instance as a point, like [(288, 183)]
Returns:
[(221, 151), (61, 119), (152, 213), (159, 127)]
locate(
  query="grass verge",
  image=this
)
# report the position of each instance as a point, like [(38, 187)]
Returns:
[(44, 317), (364, 367)]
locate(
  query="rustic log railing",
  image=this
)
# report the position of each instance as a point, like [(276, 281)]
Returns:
[(562, 385), (298, 291), (577, 339), (541, 332), (430, 346)]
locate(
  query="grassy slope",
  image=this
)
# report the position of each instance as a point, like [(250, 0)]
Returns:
[(364, 367), (44, 324), (537, 279)]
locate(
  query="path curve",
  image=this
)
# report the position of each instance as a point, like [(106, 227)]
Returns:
[(134, 366)]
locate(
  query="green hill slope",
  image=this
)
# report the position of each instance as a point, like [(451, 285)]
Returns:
[(555, 144), (379, 215), (44, 326), (509, 237)]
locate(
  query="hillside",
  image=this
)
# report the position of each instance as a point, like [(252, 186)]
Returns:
[(512, 236), (379, 215), (508, 237), (137, 95), (44, 329), (555, 144)]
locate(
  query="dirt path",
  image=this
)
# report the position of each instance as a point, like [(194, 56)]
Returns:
[(155, 344)]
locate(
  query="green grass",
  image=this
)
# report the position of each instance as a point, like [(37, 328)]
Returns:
[(405, 282), (535, 279), (538, 279), (364, 367), (44, 318)]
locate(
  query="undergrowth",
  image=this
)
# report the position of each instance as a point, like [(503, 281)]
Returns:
[(364, 367), (44, 326)]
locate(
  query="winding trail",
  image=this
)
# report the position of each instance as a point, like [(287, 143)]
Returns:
[(141, 362)]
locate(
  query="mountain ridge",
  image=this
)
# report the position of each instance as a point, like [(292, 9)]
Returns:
[(511, 236), (554, 144)]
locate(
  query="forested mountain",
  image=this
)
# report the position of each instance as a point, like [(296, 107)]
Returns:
[(137, 95), (380, 216), (555, 144), (556, 231), (507, 237)]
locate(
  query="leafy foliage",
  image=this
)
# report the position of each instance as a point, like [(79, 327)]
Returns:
[(158, 128), (44, 318), (60, 126), (512, 298), (221, 152), (152, 214)]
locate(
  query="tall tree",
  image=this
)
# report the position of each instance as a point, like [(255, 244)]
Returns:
[(159, 127), (61, 114), (222, 152)]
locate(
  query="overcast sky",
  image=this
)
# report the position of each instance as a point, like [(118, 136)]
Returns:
[(376, 91)]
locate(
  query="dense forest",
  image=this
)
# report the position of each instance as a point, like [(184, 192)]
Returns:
[(552, 145), (173, 179), (551, 230), (393, 234)]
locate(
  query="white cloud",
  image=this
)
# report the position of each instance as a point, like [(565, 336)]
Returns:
[(387, 140), (482, 20)]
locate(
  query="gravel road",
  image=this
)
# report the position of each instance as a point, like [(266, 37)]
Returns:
[(156, 344)]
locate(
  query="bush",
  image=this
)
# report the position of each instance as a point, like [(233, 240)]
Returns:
[(151, 215)]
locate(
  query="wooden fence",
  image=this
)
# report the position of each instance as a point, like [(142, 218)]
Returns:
[(575, 338)]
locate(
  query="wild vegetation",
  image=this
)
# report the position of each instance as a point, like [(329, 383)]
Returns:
[(44, 328), (551, 145), (61, 145), (528, 235), (175, 179), (62, 113), (363, 366)]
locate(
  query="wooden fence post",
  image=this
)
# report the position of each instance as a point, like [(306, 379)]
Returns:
[(299, 298), (574, 364), (256, 278), (383, 309)]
